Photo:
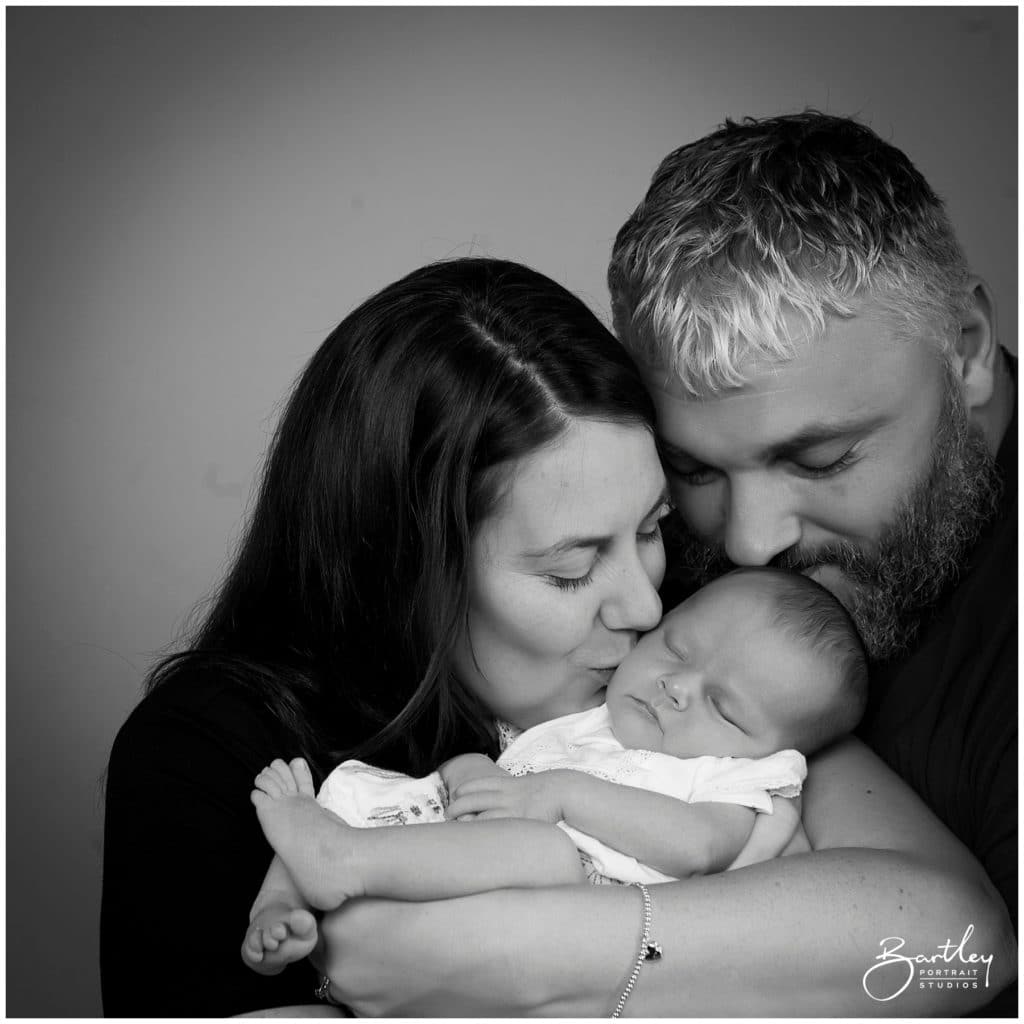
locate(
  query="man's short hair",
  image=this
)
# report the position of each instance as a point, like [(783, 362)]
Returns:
[(813, 616), (804, 213)]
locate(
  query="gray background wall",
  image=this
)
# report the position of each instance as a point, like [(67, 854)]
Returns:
[(196, 196)]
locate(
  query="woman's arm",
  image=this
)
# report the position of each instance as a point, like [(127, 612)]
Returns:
[(788, 937), (184, 855)]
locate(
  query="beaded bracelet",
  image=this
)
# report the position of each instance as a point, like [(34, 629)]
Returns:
[(649, 951)]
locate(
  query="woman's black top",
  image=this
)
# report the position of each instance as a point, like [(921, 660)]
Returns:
[(184, 855)]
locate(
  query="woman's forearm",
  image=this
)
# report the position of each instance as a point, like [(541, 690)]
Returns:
[(790, 937)]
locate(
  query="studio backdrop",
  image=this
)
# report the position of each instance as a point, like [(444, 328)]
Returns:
[(197, 196)]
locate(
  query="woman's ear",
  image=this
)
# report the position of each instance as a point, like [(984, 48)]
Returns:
[(976, 352)]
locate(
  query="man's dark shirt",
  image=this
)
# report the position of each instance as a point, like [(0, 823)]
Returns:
[(945, 716)]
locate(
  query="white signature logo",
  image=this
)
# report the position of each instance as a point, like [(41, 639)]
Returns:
[(895, 970)]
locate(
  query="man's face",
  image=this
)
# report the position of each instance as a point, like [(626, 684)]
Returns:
[(853, 462)]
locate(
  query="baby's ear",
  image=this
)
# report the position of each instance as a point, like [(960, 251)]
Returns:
[(976, 350)]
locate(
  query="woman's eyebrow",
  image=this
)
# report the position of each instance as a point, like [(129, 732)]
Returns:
[(575, 543)]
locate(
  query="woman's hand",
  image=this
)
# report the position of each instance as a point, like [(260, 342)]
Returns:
[(391, 959)]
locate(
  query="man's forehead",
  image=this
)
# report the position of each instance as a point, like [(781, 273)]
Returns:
[(808, 356)]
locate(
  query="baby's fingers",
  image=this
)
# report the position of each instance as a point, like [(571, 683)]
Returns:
[(485, 784), (472, 803)]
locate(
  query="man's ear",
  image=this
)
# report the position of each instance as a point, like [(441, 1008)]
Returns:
[(976, 352)]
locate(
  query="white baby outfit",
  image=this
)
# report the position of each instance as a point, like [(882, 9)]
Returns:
[(367, 796)]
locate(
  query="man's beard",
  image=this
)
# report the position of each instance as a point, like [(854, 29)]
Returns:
[(919, 554)]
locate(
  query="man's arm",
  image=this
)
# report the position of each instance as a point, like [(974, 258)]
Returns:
[(788, 937)]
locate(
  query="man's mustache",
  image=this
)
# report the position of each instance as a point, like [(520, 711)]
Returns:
[(713, 558)]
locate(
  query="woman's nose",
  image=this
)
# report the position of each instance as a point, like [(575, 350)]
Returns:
[(632, 602)]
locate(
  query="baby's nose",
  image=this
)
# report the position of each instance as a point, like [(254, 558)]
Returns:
[(676, 690)]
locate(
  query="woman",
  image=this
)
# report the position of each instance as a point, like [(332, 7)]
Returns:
[(367, 616), (339, 630)]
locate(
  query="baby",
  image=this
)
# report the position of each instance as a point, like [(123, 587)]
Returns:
[(704, 721)]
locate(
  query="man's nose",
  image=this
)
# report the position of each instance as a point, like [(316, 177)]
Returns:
[(760, 521)]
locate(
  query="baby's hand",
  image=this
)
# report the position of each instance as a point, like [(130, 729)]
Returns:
[(528, 796), (468, 766)]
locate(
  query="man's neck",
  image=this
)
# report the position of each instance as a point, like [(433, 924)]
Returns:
[(994, 416)]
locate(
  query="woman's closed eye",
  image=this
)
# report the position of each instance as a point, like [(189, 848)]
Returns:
[(573, 570), (570, 582), (650, 530)]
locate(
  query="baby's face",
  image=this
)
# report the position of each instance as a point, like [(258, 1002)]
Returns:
[(716, 677)]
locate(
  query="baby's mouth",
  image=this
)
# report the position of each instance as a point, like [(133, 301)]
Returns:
[(648, 710)]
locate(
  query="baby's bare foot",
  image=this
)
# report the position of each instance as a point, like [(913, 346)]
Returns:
[(278, 935), (317, 848)]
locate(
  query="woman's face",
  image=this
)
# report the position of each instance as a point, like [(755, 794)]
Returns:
[(563, 573)]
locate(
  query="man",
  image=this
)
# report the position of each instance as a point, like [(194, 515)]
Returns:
[(832, 398)]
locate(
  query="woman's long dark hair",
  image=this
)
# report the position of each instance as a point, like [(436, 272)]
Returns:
[(349, 589)]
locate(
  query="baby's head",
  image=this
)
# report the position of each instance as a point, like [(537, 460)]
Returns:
[(757, 661)]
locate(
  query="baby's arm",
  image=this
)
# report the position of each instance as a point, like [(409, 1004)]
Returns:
[(281, 928), (778, 834), (675, 837), (326, 861)]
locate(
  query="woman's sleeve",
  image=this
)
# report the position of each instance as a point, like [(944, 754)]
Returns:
[(789, 937), (183, 859)]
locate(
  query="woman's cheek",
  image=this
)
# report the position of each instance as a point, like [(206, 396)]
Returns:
[(652, 556), (553, 621)]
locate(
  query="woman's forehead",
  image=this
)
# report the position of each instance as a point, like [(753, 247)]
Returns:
[(595, 479)]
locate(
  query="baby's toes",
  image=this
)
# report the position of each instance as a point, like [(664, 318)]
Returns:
[(269, 942), (268, 782), (252, 956), (302, 924), (252, 948), (303, 777), (284, 775), (279, 931)]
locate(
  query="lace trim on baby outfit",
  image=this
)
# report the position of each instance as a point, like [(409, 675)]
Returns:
[(507, 734)]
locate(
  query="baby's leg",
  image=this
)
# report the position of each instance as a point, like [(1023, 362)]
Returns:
[(281, 928), (314, 845), (331, 861)]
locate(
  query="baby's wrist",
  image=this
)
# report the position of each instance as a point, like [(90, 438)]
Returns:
[(564, 786)]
